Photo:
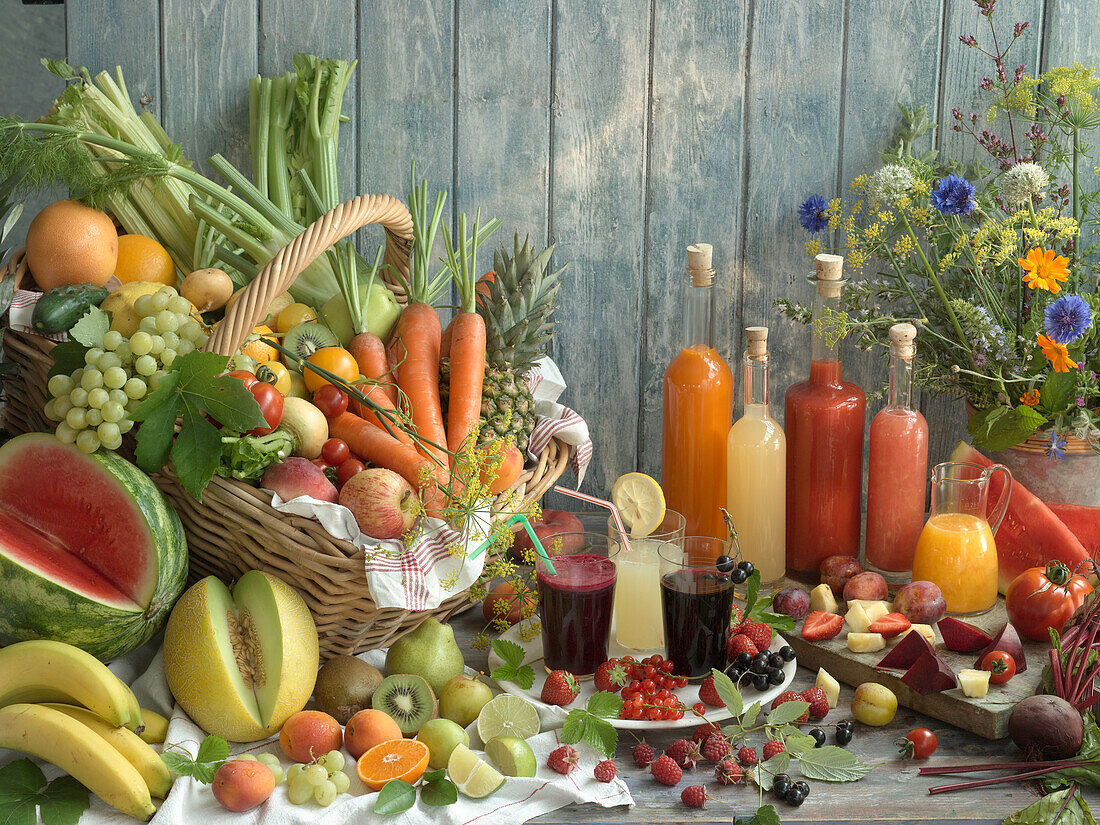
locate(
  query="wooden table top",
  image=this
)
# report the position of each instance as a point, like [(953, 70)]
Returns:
[(891, 793)]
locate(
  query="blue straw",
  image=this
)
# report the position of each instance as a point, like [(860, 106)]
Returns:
[(534, 540)]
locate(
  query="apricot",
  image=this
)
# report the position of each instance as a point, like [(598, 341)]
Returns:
[(368, 728), (516, 608), (309, 734), (505, 474), (242, 784)]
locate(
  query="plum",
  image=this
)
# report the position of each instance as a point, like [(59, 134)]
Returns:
[(920, 602), (836, 570), (866, 586), (794, 601)]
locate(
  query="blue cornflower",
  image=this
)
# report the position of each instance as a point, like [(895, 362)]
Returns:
[(1057, 447), (954, 195), (812, 214), (1066, 319)]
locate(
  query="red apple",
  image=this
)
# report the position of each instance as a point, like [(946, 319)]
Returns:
[(836, 570), (385, 506), (294, 477), (553, 523)]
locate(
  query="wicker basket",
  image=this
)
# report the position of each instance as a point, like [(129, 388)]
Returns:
[(234, 529)]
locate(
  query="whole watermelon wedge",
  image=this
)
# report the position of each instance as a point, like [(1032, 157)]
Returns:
[(91, 553), (1083, 522), (1030, 535)]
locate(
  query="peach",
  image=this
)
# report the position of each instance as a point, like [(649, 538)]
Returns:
[(517, 608), (504, 475), (368, 728), (295, 476), (309, 734), (866, 586), (242, 784), (836, 570)]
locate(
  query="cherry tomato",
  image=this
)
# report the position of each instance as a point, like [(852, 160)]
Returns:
[(320, 462), (271, 406), (274, 372), (335, 452), (347, 470), (1044, 597), (919, 743), (1000, 665), (330, 400), (335, 360), (247, 378)]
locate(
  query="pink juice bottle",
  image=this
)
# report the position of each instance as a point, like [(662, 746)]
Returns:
[(898, 467)]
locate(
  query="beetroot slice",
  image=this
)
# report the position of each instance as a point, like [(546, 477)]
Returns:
[(961, 636), (1007, 640), (929, 674), (906, 652)]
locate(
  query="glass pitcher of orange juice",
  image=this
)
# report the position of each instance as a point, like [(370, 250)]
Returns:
[(956, 549)]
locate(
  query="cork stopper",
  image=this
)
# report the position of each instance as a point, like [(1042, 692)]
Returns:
[(757, 338), (700, 269), (829, 269), (902, 337)]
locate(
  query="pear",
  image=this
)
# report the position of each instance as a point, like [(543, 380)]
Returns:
[(429, 652)]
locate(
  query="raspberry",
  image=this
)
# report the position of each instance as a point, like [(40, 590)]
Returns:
[(737, 618), (605, 771), (705, 731), (666, 771), (643, 754), (772, 747), (791, 696), (716, 748), (747, 756), (694, 796), (684, 752), (760, 634), (709, 694), (740, 643), (727, 772), (563, 760), (819, 702)]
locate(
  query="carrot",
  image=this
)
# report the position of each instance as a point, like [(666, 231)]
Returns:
[(370, 355), (467, 378), (418, 336), (376, 393), (445, 341)]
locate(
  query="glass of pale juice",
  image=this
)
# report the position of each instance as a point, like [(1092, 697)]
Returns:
[(638, 623)]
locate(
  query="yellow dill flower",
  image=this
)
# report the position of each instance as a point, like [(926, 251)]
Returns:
[(529, 630), (1076, 82), (812, 247), (948, 261), (887, 217), (921, 214), (481, 642), (449, 581), (857, 207), (922, 187), (903, 246), (872, 232), (858, 184)]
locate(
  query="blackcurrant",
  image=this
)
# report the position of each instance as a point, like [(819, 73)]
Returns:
[(804, 787), (775, 676), (775, 660), (819, 736), (760, 681), (846, 724), (795, 797), (724, 564), (739, 576), (744, 659), (843, 736), (747, 567), (735, 672), (781, 785), (787, 652), (760, 663)]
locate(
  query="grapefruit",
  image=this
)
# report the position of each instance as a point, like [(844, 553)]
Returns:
[(70, 243)]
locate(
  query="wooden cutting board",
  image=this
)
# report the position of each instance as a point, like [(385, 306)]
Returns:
[(987, 717)]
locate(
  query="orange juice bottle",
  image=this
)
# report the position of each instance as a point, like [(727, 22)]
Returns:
[(698, 408)]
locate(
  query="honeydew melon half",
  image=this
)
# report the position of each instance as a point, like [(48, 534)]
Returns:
[(241, 661)]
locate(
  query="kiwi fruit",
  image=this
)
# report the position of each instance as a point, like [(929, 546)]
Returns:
[(345, 685), (305, 339), (407, 699)]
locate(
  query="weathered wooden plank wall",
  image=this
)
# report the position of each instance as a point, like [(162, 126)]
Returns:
[(621, 129)]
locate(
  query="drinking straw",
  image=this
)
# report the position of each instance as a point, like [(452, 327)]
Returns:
[(602, 503), (534, 540)]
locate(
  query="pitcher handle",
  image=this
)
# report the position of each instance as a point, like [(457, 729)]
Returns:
[(997, 513)]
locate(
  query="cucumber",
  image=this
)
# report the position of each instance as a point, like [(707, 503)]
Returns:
[(61, 307)]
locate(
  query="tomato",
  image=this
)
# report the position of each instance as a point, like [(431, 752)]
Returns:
[(919, 743), (246, 378), (319, 462), (330, 400), (335, 452), (271, 406), (1043, 598), (1000, 665), (335, 360), (347, 470), (274, 372)]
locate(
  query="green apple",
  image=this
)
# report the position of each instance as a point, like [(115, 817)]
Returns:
[(441, 736), (462, 699)]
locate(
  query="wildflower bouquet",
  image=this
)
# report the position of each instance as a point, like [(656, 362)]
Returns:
[(996, 266)]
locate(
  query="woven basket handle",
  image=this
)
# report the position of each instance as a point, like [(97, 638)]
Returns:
[(280, 272)]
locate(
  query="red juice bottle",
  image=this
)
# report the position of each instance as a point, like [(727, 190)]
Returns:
[(897, 468), (824, 426)]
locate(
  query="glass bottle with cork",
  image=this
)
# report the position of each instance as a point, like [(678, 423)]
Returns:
[(824, 424), (756, 468), (698, 408)]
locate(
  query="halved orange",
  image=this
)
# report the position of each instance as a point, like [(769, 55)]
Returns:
[(405, 759)]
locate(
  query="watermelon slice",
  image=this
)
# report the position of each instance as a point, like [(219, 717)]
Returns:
[(1083, 522), (1030, 535)]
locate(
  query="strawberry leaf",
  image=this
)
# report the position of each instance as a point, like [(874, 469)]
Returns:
[(727, 692), (513, 669)]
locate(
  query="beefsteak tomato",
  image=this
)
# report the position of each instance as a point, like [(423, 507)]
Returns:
[(1041, 598)]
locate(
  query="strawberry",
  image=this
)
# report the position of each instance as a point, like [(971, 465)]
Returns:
[(727, 772), (747, 756), (705, 731), (604, 771), (819, 702), (772, 747), (820, 625), (791, 696), (739, 643), (694, 796), (890, 625), (737, 618), (611, 676), (716, 748), (560, 688), (760, 634), (643, 754), (666, 771), (562, 760), (684, 752), (708, 693)]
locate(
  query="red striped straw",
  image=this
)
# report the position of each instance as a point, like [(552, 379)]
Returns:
[(602, 503)]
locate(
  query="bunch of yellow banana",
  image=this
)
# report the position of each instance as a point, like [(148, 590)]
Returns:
[(61, 704)]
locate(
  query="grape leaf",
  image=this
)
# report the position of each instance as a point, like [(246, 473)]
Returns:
[(68, 357), (158, 413), (727, 692), (23, 789), (396, 796), (787, 712), (91, 327), (63, 802), (213, 751), (832, 764), (196, 452)]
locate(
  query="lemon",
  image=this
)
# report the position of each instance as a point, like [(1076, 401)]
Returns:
[(640, 502), (471, 774), (508, 714), (512, 756), (120, 304)]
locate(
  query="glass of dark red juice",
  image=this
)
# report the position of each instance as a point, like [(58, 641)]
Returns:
[(696, 600), (575, 602)]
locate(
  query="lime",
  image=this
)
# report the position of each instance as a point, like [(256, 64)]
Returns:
[(640, 502), (512, 756), (508, 714), (471, 774)]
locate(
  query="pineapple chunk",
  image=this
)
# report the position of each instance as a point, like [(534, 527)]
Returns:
[(975, 683), (857, 618), (822, 598), (866, 642), (875, 609), (831, 686), (926, 630)]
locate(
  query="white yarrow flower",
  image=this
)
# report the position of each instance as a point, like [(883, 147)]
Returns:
[(890, 183), (1022, 182)]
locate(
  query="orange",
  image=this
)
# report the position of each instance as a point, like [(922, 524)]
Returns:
[(70, 243), (143, 259), (336, 360), (404, 759), (257, 349)]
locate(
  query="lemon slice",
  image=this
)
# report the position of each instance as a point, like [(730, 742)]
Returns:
[(508, 715), (471, 774), (640, 501)]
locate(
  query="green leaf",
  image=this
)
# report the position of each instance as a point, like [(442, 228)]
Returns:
[(165, 393), (999, 428), (727, 692), (213, 751), (572, 729), (63, 802), (229, 402), (605, 704), (1042, 812), (750, 715), (601, 735), (196, 451), (434, 776), (779, 621), (396, 796), (23, 789), (765, 815), (1056, 390), (68, 357), (525, 677), (832, 764), (752, 590), (764, 772), (509, 652), (512, 670), (439, 792), (158, 417), (787, 712), (798, 743), (91, 327)]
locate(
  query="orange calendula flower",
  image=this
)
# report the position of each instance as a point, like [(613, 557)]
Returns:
[(1030, 398), (1057, 354), (1043, 269)]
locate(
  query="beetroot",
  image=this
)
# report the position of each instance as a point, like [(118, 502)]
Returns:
[(1007, 640), (962, 637), (906, 652), (929, 674), (1046, 727)]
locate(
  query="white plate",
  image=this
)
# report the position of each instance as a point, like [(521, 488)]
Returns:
[(689, 695)]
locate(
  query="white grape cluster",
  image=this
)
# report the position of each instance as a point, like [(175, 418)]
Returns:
[(268, 759), (322, 780), (92, 406)]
